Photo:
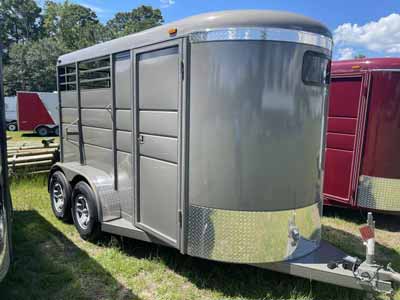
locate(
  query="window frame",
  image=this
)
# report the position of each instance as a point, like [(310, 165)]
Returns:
[(327, 76), (84, 84), (66, 84)]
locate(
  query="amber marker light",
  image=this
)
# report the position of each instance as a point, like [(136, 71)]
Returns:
[(356, 67), (172, 31)]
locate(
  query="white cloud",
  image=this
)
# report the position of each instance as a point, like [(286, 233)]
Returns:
[(377, 36), (167, 3), (345, 53)]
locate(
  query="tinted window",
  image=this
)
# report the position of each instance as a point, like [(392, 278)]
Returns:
[(316, 68)]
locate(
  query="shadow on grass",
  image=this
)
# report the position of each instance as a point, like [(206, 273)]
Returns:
[(34, 134), (243, 281), (47, 265), (382, 221)]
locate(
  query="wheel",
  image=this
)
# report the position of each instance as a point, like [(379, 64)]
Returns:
[(60, 196), (42, 131), (84, 211), (5, 246), (12, 127), (57, 131)]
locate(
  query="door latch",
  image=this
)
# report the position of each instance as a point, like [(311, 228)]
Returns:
[(141, 139)]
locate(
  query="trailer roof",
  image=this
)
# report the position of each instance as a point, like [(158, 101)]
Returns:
[(213, 20), (355, 65)]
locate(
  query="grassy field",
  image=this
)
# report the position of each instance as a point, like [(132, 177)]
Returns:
[(52, 262), (28, 136)]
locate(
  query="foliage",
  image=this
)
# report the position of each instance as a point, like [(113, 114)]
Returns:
[(141, 18), (20, 21), (32, 66), (359, 56), (33, 39), (73, 25)]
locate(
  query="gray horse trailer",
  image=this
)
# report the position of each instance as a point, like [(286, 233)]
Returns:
[(205, 135)]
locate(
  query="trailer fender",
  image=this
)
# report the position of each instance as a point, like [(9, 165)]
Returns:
[(100, 182)]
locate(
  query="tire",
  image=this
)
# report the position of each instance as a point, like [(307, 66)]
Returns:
[(12, 126), (5, 241), (42, 131), (60, 196), (56, 131), (84, 212)]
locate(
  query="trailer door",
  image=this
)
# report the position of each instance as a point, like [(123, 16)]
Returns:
[(347, 104), (158, 96)]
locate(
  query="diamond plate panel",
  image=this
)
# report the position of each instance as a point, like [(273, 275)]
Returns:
[(379, 193), (252, 236)]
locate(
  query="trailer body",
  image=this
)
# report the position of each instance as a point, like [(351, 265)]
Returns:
[(5, 198), (362, 167), (38, 111), (205, 135), (11, 109)]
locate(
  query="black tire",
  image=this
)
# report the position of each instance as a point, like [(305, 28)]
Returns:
[(89, 230), (56, 131), (42, 131), (58, 183), (5, 241), (12, 126)]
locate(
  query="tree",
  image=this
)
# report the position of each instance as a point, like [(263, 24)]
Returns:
[(32, 66), (359, 56), (141, 18), (36, 41), (73, 25), (20, 21)]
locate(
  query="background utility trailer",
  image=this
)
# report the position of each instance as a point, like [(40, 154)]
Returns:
[(39, 112), (10, 104), (204, 135), (362, 167)]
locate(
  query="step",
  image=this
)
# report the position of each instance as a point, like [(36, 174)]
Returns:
[(125, 228)]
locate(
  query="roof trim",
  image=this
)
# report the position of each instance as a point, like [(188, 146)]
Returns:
[(214, 20), (264, 34)]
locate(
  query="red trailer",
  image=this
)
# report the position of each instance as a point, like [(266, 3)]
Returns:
[(362, 155), (39, 112)]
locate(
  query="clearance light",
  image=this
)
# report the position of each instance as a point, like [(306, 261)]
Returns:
[(172, 31), (356, 67)]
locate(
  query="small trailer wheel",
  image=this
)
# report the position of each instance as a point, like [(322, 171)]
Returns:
[(84, 211), (42, 131), (56, 131), (60, 196), (12, 126)]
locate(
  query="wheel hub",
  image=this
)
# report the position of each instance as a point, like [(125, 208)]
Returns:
[(58, 197), (82, 211)]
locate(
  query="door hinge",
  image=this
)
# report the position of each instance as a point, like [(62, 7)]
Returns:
[(182, 70), (180, 218)]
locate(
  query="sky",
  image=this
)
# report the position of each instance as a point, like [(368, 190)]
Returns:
[(368, 27)]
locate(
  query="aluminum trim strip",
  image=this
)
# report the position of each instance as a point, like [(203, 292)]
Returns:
[(379, 193), (385, 70), (265, 34), (253, 236)]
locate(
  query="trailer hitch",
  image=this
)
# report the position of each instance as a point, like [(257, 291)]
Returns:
[(370, 275)]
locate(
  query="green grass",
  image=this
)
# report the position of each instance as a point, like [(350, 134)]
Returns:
[(26, 136), (52, 262)]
